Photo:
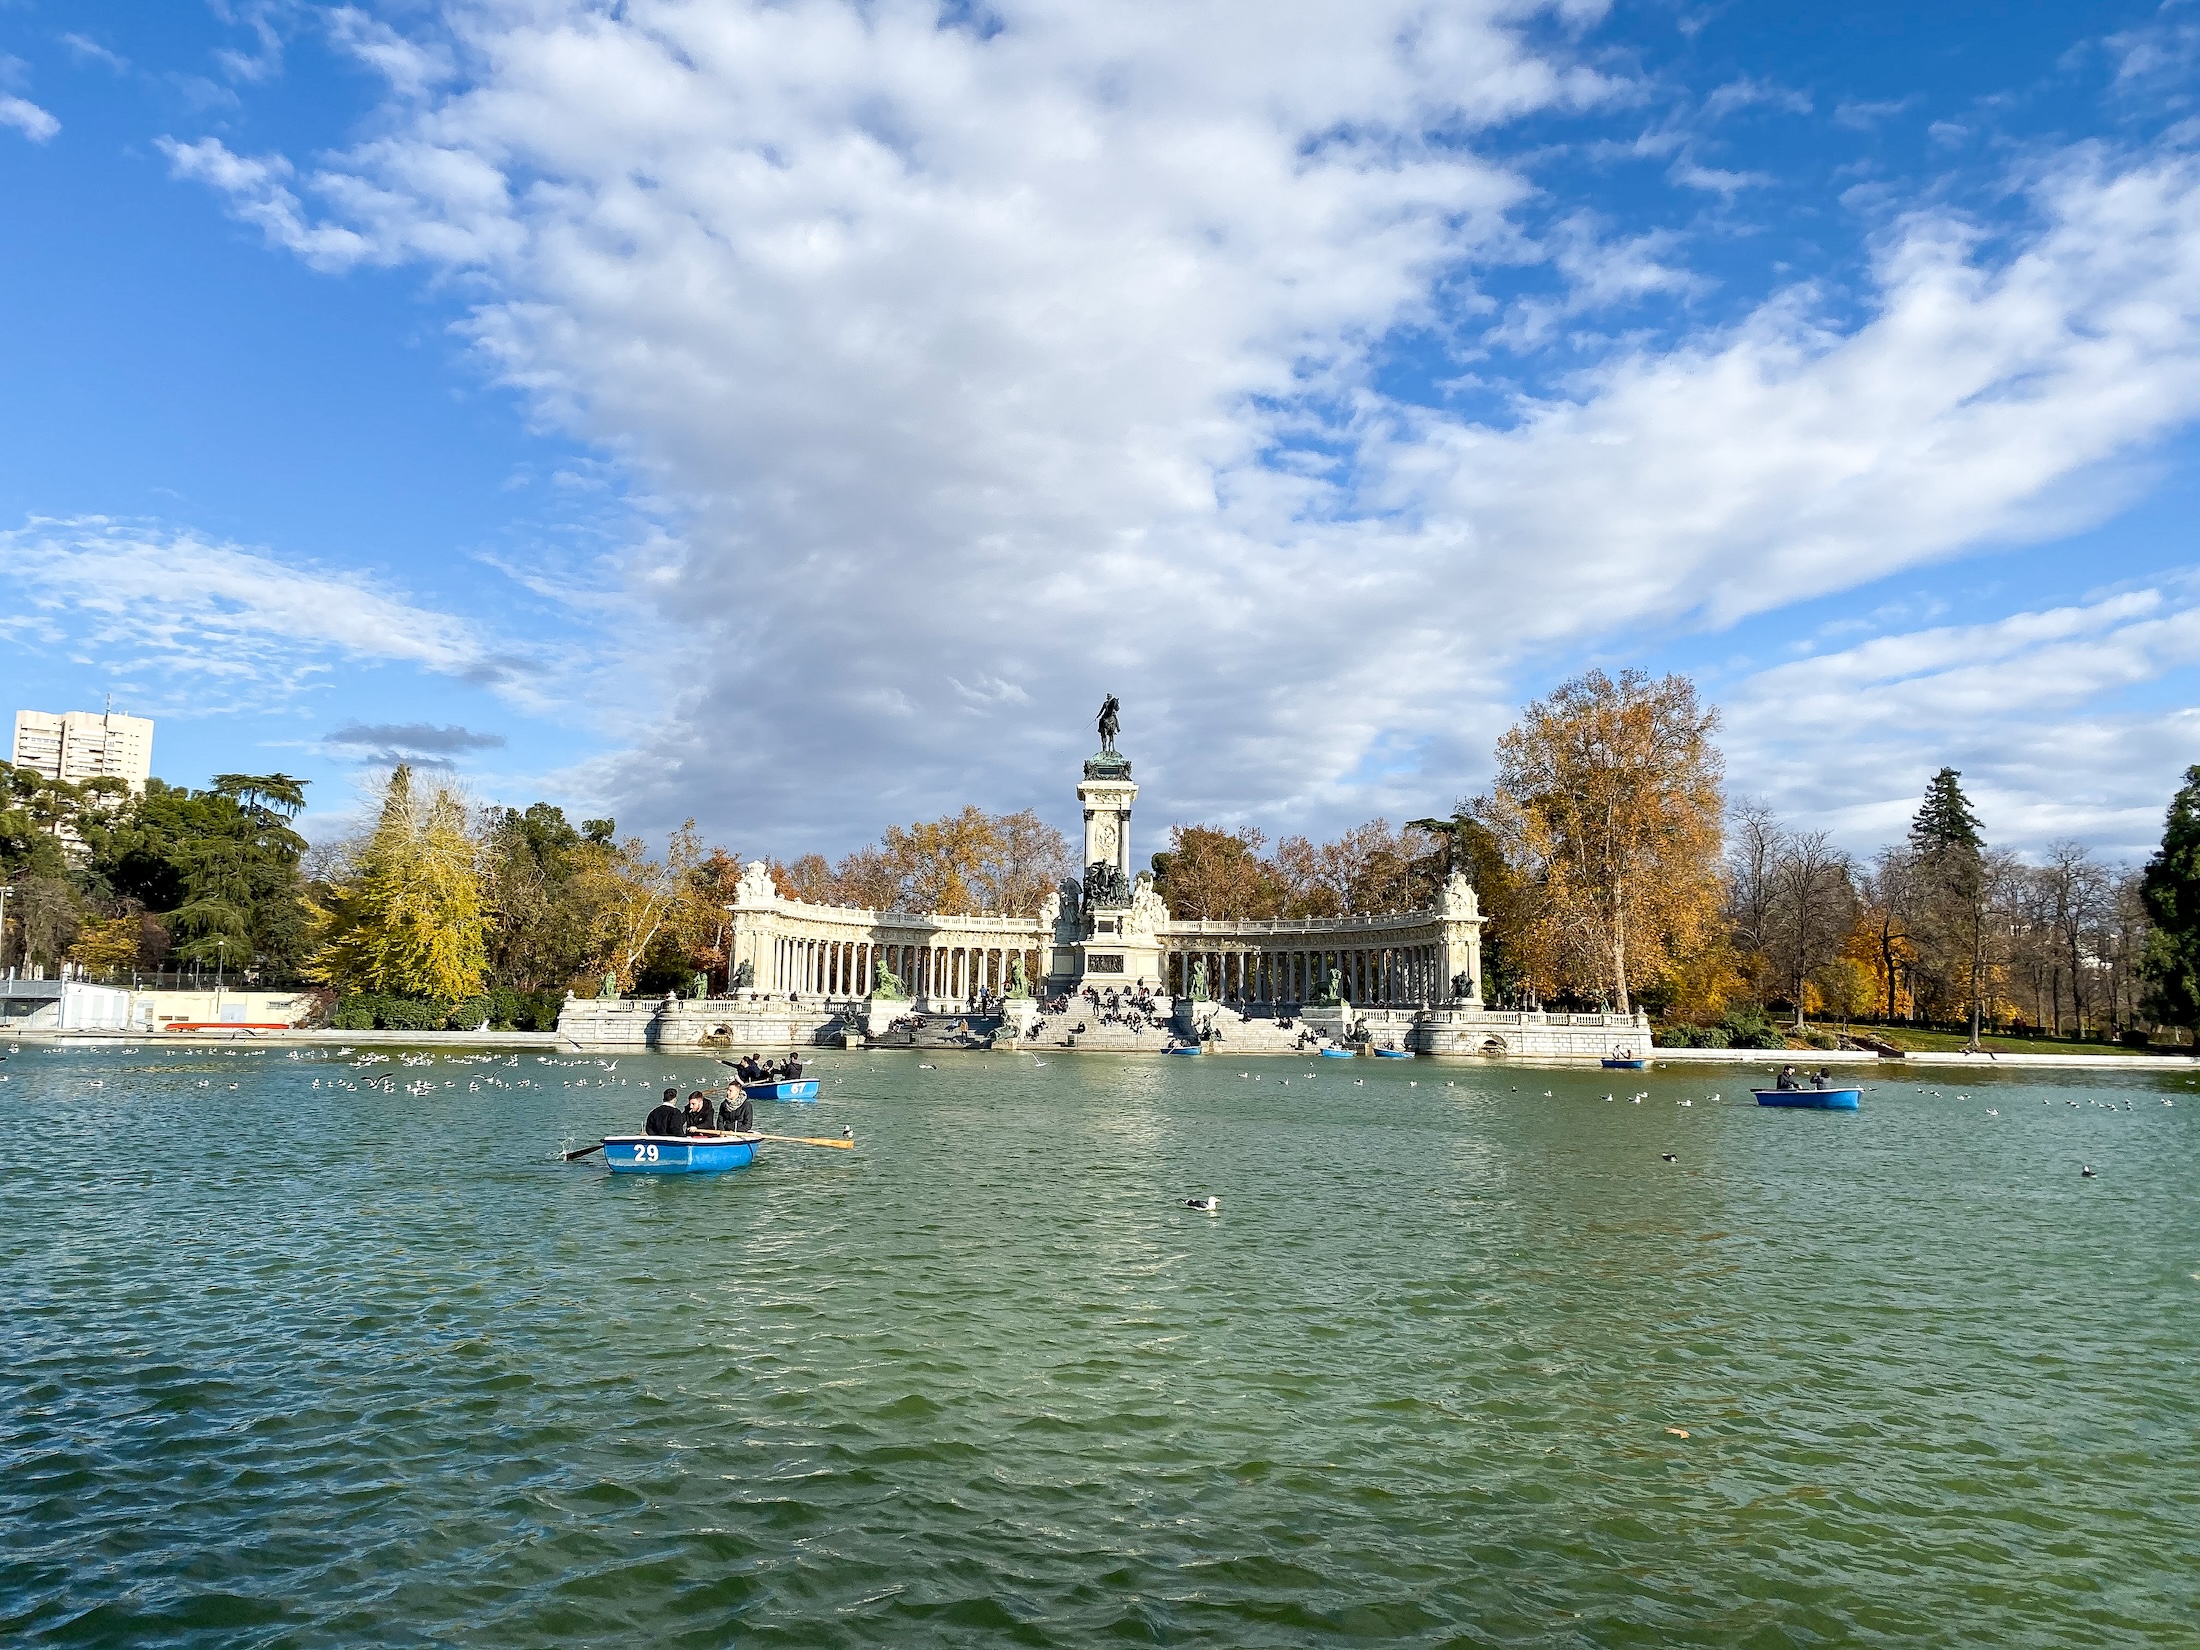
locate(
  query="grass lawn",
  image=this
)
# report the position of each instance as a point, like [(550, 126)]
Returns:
[(1953, 1042)]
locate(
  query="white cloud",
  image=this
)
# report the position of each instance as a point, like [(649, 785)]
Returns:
[(28, 118), (227, 620), (259, 193), (2014, 702), (1041, 355)]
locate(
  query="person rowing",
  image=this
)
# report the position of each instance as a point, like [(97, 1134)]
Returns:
[(698, 1111), (666, 1118)]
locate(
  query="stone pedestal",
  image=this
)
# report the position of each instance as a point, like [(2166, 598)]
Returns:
[(1333, 1021)]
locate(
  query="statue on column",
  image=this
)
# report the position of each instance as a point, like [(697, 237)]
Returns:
[(1018, 986), (1199, 979), (1110, 722)]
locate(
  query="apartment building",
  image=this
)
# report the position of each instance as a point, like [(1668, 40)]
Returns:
[(78, 745)]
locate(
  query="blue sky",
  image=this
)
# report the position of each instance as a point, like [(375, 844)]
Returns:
[(799, 417)]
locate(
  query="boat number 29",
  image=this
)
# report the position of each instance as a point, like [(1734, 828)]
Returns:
[(645, 1154)]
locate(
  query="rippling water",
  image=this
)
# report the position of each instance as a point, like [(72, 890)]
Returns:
[(298, 1365)]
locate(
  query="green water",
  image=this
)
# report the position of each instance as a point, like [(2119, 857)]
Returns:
[(298, 1365)]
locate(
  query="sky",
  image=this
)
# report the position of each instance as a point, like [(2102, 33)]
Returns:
[(799, 416)]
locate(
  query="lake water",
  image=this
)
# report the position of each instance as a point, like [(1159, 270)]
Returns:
[(303, 1365)]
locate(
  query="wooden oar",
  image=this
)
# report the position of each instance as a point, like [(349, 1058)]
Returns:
[(584, 1151), (809, 1140)]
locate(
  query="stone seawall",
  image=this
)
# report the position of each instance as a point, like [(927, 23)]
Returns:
[(701, 1025)]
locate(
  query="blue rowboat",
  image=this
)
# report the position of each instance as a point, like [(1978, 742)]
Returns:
[(1336, 1054), (1187, 1048), (1811, 1099), (1394, 1054), (799, 1088), (1626, 1062), (676, 1154)]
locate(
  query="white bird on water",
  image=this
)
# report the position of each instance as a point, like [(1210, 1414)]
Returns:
[(1207, 1205)]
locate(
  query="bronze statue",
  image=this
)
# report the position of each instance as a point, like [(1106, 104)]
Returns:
[(1110, 722)]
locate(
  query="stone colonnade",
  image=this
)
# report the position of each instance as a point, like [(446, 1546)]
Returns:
[(1378, 976), (837, 952), (941, 969)]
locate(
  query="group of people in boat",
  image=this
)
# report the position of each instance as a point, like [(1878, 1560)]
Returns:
[(752, 1070), (1789, 1079), (734, 1114)]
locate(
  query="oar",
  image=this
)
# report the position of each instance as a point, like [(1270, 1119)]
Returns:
[(584, 1151), (809, 1140)]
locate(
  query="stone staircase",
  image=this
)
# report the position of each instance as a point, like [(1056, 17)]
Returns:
[(939, 1031)]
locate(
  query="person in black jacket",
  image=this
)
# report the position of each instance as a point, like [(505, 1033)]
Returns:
[(735, 1114), (665, 1118)]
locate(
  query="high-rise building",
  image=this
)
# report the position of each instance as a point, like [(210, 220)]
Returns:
[(78, 745)]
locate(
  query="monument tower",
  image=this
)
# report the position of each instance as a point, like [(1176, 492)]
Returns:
[(1118, 915)]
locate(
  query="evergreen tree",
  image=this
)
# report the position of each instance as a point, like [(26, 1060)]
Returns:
[(2170, 888), (1948, 855), (1944, 821), (412, 921)]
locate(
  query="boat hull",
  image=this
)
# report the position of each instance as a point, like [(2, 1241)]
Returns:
[(1626, 1065), (799, 1088), (1336, 1054), (678, 1154), (1811, 1099), (1191, 1050), (1394, 1054)]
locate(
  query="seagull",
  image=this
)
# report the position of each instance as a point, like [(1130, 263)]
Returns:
[(1213, 1205), (2086, 1170), (1359, 1082), (922, 1067), (1667, 1157), (1688, 1102), (1990, 1112), (1636, 1101)]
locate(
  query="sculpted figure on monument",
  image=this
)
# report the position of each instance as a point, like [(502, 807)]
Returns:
[(1457, 899), (1018, 986), (1147, 913), (1106, 885), (1199, 979), (744, 977), (1110, 722)]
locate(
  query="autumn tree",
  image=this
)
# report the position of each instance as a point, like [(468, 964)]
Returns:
[(1608, 801), (410, 919), (962, 864), (1215, 874)]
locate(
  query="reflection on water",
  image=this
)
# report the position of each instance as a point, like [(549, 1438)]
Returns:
[(300, 1362)]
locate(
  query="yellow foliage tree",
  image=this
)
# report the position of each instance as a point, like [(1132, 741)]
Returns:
[(1608, 803), (409, 919), (105, 947)]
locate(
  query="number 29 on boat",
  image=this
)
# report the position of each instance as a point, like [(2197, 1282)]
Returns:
[(673, 1154)]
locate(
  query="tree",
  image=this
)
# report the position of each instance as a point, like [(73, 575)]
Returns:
[(1947, 852), (541, 937), (1608, 800), (639, 901), (1212, 874), (412, 922), (1812, 909), (2169, 888), (2076, 890), (962, 863), (1755, 842), (1886, 894)]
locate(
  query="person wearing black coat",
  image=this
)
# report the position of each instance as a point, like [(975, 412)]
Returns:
[(665, 1118), (735, 1114)]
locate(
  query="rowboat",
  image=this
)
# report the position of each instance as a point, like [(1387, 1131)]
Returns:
[(1336, 1054), (675, 1154), (1394, 1054), (1811, 1099), (1626, 1062), (794, 1088), (1187, 1048)]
